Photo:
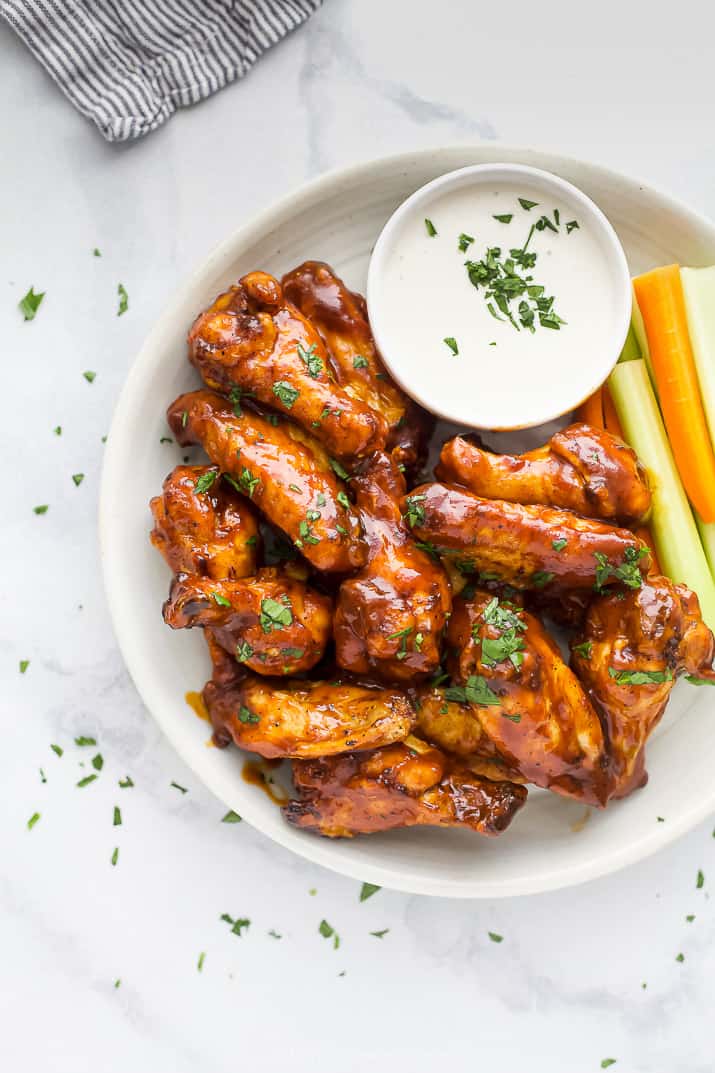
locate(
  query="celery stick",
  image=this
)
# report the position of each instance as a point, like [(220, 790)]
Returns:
[(672, 524), (640, 333), (631, 347), (707, 537), (699, 293)]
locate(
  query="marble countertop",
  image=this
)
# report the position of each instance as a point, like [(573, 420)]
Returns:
[(581, 975)]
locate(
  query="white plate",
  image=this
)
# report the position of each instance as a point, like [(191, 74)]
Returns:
[(337, 218)]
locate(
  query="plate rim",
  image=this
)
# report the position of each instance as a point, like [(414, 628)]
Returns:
[(316, 850)]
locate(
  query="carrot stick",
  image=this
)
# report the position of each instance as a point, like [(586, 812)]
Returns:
[(610, 416), (660, 300), (591, 410)]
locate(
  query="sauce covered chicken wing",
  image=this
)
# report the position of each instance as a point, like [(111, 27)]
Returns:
[(272, 623), (291, 484), (628, 655), (340, 317), (530, 547), (252, 341), (305, 719), (390, 617), (581, 468), (405, 785)]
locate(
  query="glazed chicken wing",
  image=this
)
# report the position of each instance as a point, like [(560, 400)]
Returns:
[(628, 655), (201, 526), (253, 340), (402, 785), (581, 468), (340, 316), (513, 682), (390, 616), (273, 624), (290, 483), (526, 546), (305, 719)]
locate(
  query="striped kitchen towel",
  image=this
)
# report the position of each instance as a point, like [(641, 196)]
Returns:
[(129, 64)]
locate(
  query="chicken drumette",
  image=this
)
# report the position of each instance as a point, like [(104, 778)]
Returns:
[(252, 341), (390, 617), (401, 785), (581, 468)]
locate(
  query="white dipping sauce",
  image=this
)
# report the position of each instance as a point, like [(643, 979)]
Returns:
[(420, 293)]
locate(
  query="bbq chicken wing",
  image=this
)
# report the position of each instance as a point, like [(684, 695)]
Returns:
[(511, 678), (581, 468), (305, 719), (201, 526), (391, 615), (628, 655), (454, 726), (530, 547), (340, 317), (293, 485), (272, 623), (403, 785), (252, 341)]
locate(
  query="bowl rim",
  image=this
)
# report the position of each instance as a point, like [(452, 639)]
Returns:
[(478, 175), (317, 850)]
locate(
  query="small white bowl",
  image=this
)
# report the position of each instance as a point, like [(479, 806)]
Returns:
[(420, 297)]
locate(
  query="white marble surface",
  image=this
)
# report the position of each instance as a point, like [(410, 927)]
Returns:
[(564, 990)]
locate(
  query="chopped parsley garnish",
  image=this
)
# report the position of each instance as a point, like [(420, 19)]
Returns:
[(700, 882), (275, 934), (42, 509), (508, 645), (231, 817), (245, 715), (220, 600), (114, 858), (680, 957), (367, 890), (246, 482), (285, 393), (312, 361), (292, 653), (526, 204), (200, 962), (82, 740), (33, 820), (628, 572), (86, 780), (96, 252), (380, 934), (402, 635), (572, 225), (451, 343), (690, 918), (89, 376), (24, 664), (205, 481), (475, 691), (295, 488), (126, 783), (343, 500), (359, 362), (559, 545), (29, 305), (235, 396), (98, 762), (57, 430), (238, 925), (430, 228), (339, 470), (640, 678), (117, 820), (123, 299), (327, 932), (504, 217), (584, 649), (165, 439), (244, 651), (275, 615), (465, 241), (184, 413), (57, 749), (495, 937), (541, 578), (512, 718), (415, 515), (306, 535), (176, 786), (606, 1062)]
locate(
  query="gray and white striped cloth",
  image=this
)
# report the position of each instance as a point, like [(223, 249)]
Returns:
[(129, 64)]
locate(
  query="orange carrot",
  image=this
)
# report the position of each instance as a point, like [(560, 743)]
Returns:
[(591, 410), (610, 416), (660, 299)]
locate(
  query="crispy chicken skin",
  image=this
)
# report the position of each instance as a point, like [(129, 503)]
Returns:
[(290, 483), (211, 533), (581, 468), (523, 544), (273, 624), (655, 631), (251, 338), (305, 719), (526, 700), (390, 617), (340, 316), (398, 786)]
